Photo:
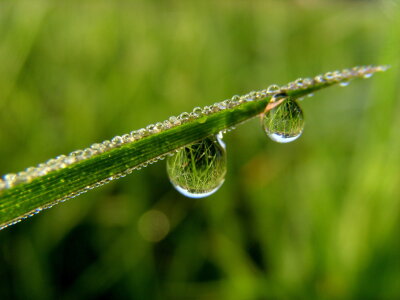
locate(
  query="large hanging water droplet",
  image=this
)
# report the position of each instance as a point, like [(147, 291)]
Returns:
[(198, 170), (284, 123)]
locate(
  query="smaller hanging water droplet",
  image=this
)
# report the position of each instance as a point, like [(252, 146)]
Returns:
[(284, 123), (198, 170), (344, 83)]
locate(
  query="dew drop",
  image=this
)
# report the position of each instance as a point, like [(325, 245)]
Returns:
[(368, 75), (174, 121), (167, 124), (285, 122), (299, 82), (236, 98), (320, 79), (273, 88), (307, 82), (198, 170), (149, 128), (159, 126), (197, 111), (117, 140), (344, 83), (329, 76), (183, 117), (346, 73), (337, 75), (207, 110)]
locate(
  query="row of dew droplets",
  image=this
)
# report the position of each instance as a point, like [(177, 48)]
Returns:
[(198, 170), (63, 161), (209, 180), (342, 77), (283, 119)]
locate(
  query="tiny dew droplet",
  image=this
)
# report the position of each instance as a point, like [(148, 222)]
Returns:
[(344, 83), (198, 170), (368, 75), (285, 122), (273, 88)]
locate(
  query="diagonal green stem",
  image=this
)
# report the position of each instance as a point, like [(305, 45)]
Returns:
[(21, 199)]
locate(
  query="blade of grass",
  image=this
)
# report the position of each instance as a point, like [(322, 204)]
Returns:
[(29, 192)]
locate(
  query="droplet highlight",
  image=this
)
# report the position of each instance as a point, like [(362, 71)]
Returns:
[(283, 123), (198, 170)]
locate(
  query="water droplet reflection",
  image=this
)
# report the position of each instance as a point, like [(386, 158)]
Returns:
[(198, 170), (284, 123)]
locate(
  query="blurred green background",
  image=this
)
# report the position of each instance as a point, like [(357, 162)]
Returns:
[(315, 219)]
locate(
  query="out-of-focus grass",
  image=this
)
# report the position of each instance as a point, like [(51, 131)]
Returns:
[(317, 218)]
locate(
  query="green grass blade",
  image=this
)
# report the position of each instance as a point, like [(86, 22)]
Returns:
[(65, 177)]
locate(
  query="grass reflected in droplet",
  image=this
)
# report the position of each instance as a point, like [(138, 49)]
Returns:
[(283, 123), (198, 170)]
